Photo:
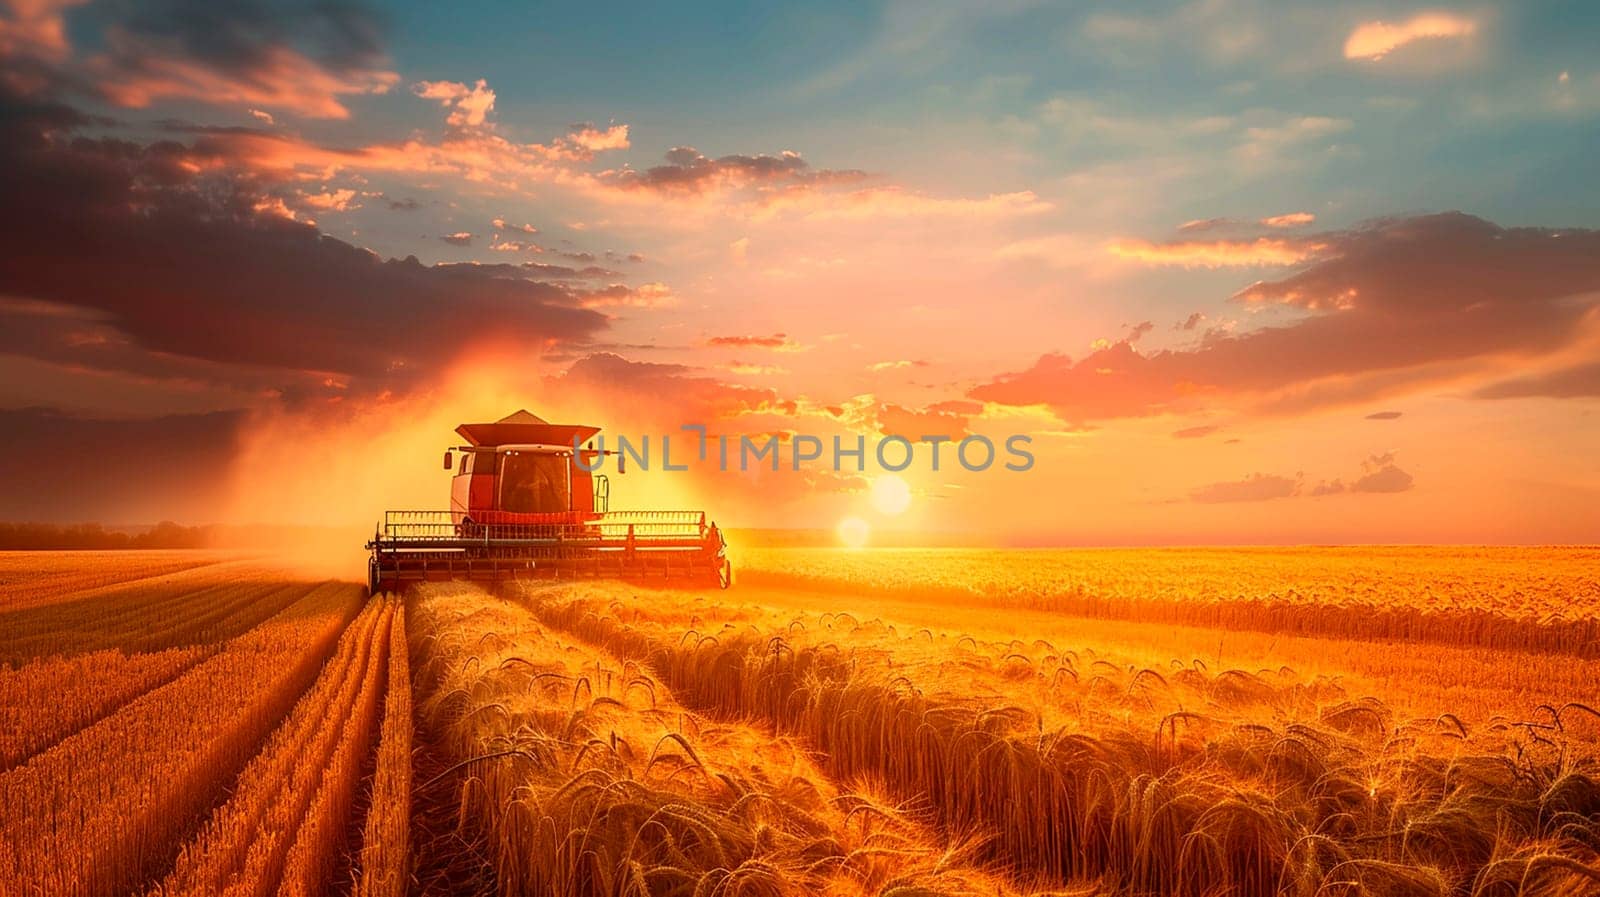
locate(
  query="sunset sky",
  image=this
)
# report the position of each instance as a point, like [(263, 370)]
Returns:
[(1245, 272)]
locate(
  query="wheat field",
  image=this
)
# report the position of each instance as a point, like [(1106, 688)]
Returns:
[(1197, 722)]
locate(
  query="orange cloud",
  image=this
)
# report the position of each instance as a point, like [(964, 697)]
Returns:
[(468, 106), (778, 342), (895, 202), (647, 295), (1375, 40), (1392, 306), (331, 200), (1260, 252), (36, 28), (1292, 219), (136, 72), (879, 367)]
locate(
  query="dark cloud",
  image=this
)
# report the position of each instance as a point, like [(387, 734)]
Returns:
[(1387, 308), (1385, 415), (687, 170), (402, 205), (114, 471), (1256, 487), (1192, 321), (1581, 381), (298, 56), (672, 393), (201, 267)]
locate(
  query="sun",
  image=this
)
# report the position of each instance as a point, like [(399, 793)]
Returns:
[(890, 494), (853, 532)]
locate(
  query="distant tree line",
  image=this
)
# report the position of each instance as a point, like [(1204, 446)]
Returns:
[(94, 536)]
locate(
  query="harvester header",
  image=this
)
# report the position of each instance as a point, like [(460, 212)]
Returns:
[(525, 502)]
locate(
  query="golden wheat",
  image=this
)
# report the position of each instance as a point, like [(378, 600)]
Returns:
[(243, 841), (48, 699), (33, 578), (385, 861), (103, 809), (1537, 599), (1253, 808), (591, 780)]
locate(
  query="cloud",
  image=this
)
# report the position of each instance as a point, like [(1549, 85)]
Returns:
[(897, 420), (1373, 41), (901, 364), (1579, 381), (176, 263), (1326, 487), (1384, 415), (1194, 320), (668, 393), (402, 205), (778, 342), (895, 202), (750, 369), (1388, 308), (500, 224), (36, 30), (179, 460), (469, 106), (459, 238), (1261, 252), (1380, 475), (1291, 219), (1255, 487), (299, 57), (331, 200), (598, 140), (647, 295), (688, 171), (471, 147), (1194, 432)]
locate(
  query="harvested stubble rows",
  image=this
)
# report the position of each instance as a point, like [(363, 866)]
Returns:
[(1523, 599), (577, 774), (1199, 801), (235, 765)]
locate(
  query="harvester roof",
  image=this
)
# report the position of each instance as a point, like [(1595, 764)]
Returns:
[(523, 428)]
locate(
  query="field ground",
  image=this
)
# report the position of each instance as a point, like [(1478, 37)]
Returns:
[(1308, 722)]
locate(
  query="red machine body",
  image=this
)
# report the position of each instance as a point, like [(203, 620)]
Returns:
[(525, 502)]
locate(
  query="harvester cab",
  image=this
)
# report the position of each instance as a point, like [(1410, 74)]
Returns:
[(526, 501)]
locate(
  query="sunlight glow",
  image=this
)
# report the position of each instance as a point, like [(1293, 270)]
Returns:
[(853, 532), (890, 494)]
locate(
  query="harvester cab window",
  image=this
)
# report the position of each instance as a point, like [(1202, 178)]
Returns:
[(535, 484), (482, 463)]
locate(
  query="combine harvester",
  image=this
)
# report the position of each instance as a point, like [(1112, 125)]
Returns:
[(525, 504)]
